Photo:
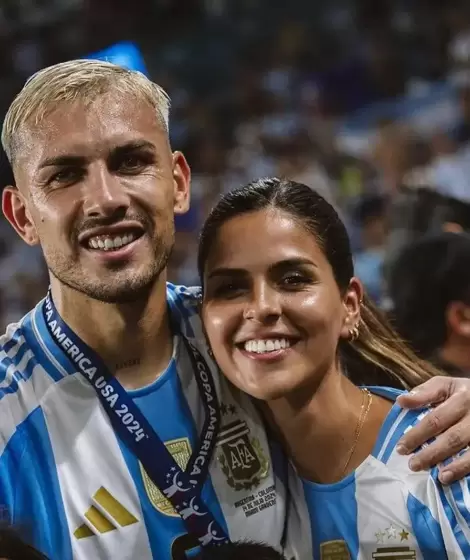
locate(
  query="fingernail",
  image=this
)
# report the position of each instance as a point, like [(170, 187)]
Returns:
[(414, 464), (402, 449), (445, 477), (413, 392)]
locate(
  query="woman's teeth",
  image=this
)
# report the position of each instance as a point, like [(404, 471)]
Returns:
[(270, 345), (107, 243)]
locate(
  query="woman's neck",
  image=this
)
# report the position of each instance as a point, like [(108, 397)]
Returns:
[(330, 434)]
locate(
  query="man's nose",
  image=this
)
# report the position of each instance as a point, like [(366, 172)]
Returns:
[(104, 194)]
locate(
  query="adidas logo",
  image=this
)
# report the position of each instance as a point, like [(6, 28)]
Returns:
[(106, 517)]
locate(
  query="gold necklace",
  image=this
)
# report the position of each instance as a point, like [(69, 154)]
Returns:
[(360, 424)]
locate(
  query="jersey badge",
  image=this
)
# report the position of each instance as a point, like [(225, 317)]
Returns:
[(334, 550), (240, 455), (180, 449)]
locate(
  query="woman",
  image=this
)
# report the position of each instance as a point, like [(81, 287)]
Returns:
[(289, 324)]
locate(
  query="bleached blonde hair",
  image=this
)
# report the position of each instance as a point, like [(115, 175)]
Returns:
[(76, 79)]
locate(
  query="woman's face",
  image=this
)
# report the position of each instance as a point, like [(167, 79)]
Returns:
[(272, 309)]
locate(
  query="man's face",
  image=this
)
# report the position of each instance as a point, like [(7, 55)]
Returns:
[(98, 187)]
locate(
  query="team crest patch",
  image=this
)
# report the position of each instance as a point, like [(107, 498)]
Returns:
[(241, 456), (180, 449), (334, 550)]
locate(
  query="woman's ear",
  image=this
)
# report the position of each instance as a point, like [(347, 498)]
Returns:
[(352, 308)]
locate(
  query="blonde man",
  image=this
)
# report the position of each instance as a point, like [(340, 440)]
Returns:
[(118, 437)]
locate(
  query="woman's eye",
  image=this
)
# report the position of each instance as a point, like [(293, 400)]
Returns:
[(294, 280), (227, 291)]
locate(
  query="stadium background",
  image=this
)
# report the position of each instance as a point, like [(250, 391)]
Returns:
[(359, 99)]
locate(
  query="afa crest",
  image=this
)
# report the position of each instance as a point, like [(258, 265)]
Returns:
[(180, 449), (334, 550), (241, 456)]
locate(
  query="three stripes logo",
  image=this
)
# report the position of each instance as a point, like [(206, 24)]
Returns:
[(104, 515)]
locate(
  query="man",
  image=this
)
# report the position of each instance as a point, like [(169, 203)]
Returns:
[(430, 292), (97, 186), (118, 437)]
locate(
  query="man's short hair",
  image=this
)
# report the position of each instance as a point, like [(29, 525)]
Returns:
[(77, 79)]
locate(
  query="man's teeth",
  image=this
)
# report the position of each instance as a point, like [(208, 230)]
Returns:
[(270, 345), (107, 243)]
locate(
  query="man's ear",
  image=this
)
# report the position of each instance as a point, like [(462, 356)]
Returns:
[(182, 182), (16, 212)]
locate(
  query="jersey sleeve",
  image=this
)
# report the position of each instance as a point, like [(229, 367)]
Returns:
[(450, 506)]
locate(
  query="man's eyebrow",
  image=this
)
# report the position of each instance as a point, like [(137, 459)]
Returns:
[(132, 146), (62, 161), (72, 160)]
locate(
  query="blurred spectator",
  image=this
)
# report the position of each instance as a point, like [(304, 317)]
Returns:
[(450, 170), (395, 153), (459, 46), (252, 100), (430, 292), (461, 133), (370, 215), (418, 211)]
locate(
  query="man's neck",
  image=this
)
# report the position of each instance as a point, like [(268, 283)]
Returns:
[(319, 433), (133, 339)]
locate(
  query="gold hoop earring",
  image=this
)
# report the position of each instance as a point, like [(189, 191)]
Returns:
[(353, 333)]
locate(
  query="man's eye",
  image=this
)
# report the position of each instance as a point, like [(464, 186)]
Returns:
[(67, 176), (134, 162), (131, 162)]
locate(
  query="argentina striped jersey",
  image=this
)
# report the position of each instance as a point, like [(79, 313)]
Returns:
[(75, 490), (383, 510)]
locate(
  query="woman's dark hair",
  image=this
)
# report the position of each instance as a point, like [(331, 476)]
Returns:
[(425, 278), (378, 355), (240, 551)]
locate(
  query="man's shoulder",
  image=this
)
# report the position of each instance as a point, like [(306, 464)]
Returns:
[(10, 341), (190, 295), (183, 303), (25, 377)]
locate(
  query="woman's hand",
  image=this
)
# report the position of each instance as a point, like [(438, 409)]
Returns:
[(448, 422)]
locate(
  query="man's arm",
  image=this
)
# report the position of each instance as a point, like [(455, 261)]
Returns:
[(449, 423)]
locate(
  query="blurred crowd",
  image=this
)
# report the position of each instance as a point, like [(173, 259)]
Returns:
[(367, 102)]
